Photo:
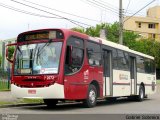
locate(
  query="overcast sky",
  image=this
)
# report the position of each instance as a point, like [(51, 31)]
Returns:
[(12, 23)]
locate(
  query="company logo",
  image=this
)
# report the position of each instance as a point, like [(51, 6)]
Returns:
[(86, 74), (123, 77)]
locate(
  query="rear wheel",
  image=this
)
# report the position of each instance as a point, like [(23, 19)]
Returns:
[(50, 102), (91, 97), (141, 95)]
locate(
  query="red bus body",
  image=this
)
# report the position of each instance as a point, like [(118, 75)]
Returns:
[(75, 86), (86, 69)]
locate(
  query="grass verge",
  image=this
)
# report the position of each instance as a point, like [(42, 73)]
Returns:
[(4, 85), (22, 101), (2, 103), (31, 101)]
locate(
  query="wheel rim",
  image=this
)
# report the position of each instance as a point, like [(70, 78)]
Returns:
[(92, 96), (141, 94)]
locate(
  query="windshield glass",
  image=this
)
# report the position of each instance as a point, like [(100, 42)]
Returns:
[(41, 58)]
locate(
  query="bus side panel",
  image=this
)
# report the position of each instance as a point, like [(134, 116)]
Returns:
[(98, 76), (76, 85), (75, 91), (149, 82), (121, 83)]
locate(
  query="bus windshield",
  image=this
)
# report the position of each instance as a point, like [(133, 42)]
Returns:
[(41, 58)]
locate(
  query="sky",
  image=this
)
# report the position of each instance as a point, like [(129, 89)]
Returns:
[(12, 23)]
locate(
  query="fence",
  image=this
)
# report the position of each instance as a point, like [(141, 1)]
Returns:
[(4, 80)]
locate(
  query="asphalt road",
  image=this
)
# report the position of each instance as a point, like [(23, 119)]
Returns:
[(123, 106)]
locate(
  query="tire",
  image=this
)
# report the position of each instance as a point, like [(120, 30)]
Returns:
[(91, 99), (141, 95), (50, 102)]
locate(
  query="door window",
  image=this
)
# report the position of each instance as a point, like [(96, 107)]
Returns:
[(74, 55)]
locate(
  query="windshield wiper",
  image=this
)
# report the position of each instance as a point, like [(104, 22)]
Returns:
[(19, 50), (48, 43)]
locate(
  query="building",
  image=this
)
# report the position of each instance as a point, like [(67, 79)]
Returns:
[(147, 27)]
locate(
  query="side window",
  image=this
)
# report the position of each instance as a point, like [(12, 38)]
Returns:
[(77, 56), (74, 55), (126, 61), (153, 68), (122, 60), (115, 60), (94, 54), (140, 64), (149, 66)]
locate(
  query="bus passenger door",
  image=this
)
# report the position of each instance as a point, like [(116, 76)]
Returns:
[(107, 71), (133, 75)]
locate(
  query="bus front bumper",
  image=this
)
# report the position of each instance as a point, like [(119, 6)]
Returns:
[(55, 91)]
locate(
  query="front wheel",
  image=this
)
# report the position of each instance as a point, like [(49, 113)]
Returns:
[(91, 97)]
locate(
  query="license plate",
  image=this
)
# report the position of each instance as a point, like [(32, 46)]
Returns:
[(31, 91)]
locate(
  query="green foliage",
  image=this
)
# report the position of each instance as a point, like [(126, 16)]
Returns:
[(4, 85), (113, 32), (0, 60), (95, 31), (92, 31), (81, 30), (130, 39)]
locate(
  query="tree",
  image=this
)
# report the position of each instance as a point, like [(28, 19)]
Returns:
[(95, 31), (113, 32), (78, 29), (149, 47), (130, 38)]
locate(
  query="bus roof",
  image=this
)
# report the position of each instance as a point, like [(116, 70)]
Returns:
[(122, 47)]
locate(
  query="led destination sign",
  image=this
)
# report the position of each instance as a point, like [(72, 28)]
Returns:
[(54, 34), (43, 35)]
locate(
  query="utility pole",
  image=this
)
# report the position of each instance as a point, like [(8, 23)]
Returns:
[(103, 34), (120, 22)]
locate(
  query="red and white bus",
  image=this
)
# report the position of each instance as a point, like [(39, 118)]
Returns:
[(61, 64)]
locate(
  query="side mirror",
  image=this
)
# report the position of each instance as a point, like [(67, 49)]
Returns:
[(7, 56), (10, 52)]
